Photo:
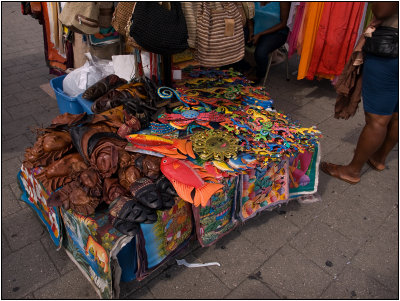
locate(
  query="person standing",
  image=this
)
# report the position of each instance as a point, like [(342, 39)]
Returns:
[(380, 93)]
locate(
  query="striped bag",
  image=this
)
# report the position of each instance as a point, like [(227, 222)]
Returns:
[(219, 36)]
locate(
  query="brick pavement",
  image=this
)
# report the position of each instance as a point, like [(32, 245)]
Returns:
[(280, 254)]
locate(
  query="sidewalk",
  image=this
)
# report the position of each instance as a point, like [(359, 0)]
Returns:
[(345, 246)]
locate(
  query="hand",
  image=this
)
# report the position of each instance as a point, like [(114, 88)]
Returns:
[(250, 38), (255, 39)]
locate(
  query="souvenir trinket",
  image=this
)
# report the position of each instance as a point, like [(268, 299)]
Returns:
[(187, 181), (215, 145)]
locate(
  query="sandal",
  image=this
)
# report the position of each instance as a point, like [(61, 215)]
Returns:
[(369, 162), (144, 190), (331, 169), (127, 228), (135, 212)]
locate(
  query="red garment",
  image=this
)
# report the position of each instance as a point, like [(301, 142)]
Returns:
[(337, 34)]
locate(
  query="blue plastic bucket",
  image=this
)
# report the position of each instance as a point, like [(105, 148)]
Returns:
[(127, 260), (66, 104)]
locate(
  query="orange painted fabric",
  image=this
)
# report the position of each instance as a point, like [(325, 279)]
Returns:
[(55, 59), (336, 38), (311, 25)]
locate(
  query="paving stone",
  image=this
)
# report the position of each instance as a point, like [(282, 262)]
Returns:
[(26, 270), (20, 69), (18, 127), (329, 249), (14, 147), (143, 293), (291, 275), (366, 197), (10, 169), (180, 282), (22, 228), (28, 109), (47, 116), (268, 232), (353, 221), (5, 116), (313, 113), (301, 119), (9, 202), (327, 144), (69, 286), (284, 106), (16, 189), (5, 247), (41, 69), (10, 89), (355, 284), (252, 289), (379, 257), (34, 82), (28, 95), (237, 256), (339, 128), (13, 78), (60, 259), (302, 214)]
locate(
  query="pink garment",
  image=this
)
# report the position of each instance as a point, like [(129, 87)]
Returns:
[(293, 35), (336, 37)]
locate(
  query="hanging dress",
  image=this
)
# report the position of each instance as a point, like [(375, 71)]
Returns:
[(311, 24), (294, 33), (335, 39)]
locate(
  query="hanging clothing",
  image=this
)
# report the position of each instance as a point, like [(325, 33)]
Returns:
[(335, 38), (57, 62), (294, 33), (292, 15), (311, 25), (361, 26), (266, 16)]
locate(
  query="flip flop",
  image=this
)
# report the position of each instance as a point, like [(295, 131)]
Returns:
[(373, 166), (325, 166)]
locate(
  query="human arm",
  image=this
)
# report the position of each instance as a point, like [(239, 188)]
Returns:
[(284, 15), (383, 9), (250, 26)]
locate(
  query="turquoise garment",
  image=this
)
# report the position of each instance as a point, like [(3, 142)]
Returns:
[(266, 16)]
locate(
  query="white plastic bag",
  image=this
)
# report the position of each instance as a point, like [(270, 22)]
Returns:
[(90, 73)]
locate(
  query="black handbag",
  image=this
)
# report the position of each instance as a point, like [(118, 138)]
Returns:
[(159, 30), (384, 42)]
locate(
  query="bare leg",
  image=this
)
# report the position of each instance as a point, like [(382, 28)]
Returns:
[(370, 140), (379, 158)]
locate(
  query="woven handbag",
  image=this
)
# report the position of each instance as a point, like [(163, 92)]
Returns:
[(122, 21), (122, 16), (158, 29), (219, 36), (190, 11)]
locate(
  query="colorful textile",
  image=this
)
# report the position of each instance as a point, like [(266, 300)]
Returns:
[(311, 25), (304, 173), (335, 38), (55, 57), (217, 219), (91, 243), (294, 33), (263, 188), (35, 196), (160, 241)]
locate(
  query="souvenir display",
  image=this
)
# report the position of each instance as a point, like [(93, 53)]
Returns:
[(164, 164)]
